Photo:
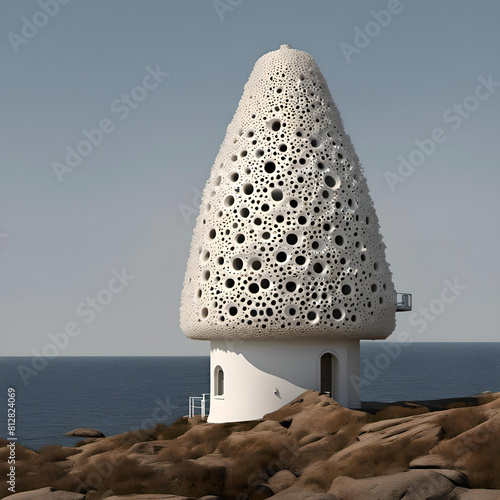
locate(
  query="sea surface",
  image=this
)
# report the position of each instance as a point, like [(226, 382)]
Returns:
[(119, 394)]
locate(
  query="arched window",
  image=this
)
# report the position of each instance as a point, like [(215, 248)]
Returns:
[(219, 381)]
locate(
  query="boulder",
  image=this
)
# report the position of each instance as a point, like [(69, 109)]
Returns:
[(47, 494), (411, 484), (150, 496), (84, 432), (298, 494), (479, 494), (432, 461), (279, 482)]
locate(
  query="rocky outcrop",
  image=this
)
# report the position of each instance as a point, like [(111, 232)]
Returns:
[(47, 494), (84, 432), (312, 448)]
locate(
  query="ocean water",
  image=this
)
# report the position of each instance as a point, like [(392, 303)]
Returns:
[(119, 394)]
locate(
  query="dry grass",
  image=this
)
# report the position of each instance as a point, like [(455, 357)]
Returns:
[(195, 443), (255, 458), (163, 432), (392, 412), (54, 453), (461, 420), (370, 461)]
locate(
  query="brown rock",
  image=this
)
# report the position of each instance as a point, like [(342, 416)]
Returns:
[(426, 484), (84, 432), (431, 461), (479, 494), (280, 481), (47, 494)]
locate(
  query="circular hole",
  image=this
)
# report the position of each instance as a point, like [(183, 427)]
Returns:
[(270, 167), (204, 312), (244, 212), (315, 245), (314, 142), (327, 227), (300, 260), (302, 220), (337, 314), (259, 152), (206, 275), (275, 125), (229, 283), (266, 235), (325, 194), (302, 161), (363, 257), (250, 133), (199, 292), (265, 207), (247, 188), (339, 240), (237, 264), (206, 255), (234, 176), (299, 133), (277, 194), (257, 221), (311, 315), (234, 158), (374, 288), (229, 201), (375, 266), (368, 220), (256, 265), (380, 300), (280, 218), (240, 238), (265, 283), (330, 181), (320, 165), (353, 318), (282, 148), (243, 153), (269, 311), (291, 286), (253, 288), (318, 268), (346, 289), (233, 311), (294, 203), (292, 239), (291, 311), (212, 234), (217, 180), (340, 156), (281, 257)]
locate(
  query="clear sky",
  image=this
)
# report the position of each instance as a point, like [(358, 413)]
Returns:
[(428, 71)]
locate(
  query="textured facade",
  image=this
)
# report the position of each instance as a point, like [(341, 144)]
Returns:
[(287, 243)]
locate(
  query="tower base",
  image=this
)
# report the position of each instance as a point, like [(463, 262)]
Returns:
[(250, 378)]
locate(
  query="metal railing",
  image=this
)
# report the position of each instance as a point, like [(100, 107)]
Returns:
[(204, 401), (403, 302)]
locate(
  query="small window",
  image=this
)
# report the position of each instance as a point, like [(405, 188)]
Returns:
[(219, 381)]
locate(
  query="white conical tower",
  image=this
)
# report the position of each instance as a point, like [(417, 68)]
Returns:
[(286, 246)]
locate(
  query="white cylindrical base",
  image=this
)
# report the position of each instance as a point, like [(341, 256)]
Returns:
[(261, 376)]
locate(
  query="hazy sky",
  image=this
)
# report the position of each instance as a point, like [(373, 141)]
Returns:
[(115, 226)]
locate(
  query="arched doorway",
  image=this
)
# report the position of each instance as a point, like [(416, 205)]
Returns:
[(328, 372)]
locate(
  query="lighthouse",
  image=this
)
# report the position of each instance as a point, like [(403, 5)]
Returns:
[(287, 269)]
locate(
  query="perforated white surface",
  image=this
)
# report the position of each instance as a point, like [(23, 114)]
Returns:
[(287, 242)]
